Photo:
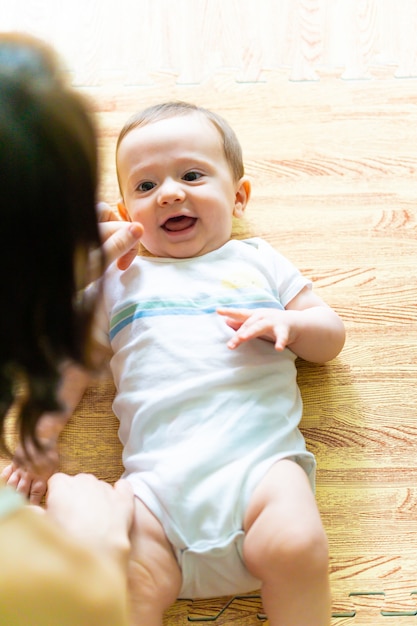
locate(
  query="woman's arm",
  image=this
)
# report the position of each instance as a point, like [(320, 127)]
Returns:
[(67, 566)]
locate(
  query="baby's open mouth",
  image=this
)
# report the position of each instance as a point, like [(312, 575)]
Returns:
[(179, 223)]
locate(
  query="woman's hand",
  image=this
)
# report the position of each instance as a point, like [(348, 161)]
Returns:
[(93, 511), (120, 241), (120, 238), (26, 481), (30, 468)]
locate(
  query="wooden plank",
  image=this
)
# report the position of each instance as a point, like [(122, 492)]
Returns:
[(334, 167)]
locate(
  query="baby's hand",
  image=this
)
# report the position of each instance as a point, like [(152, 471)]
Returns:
[(269, 324)]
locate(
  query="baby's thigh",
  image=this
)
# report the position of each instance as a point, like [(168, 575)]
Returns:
[(153, 569), (282, 522)]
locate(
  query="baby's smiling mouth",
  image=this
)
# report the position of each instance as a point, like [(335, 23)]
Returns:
[(179, 223)]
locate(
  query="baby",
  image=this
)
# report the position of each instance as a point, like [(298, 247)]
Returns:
[(203, 333)]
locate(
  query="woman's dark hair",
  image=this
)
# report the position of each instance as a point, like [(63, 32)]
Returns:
[(48, 169)]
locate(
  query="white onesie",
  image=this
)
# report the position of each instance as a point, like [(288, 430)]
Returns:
[(201, 424)]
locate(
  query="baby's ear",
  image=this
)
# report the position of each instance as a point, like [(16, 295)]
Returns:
[(243, 191), (123, 212)]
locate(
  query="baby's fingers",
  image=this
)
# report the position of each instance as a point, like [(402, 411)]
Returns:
[(234, 317), (238, 315), (281, 341), (250, 329)]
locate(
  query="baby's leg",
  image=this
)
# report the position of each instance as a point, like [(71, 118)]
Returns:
[(286, 548), (154, 576)]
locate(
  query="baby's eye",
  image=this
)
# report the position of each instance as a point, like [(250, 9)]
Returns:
[(147, 185), (190, 176)]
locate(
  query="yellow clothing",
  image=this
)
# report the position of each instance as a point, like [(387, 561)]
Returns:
[(47, 579)]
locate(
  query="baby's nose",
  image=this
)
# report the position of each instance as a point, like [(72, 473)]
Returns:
[(170, 192)]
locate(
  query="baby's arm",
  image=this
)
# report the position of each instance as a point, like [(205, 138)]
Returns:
[(30, 469), (307, 326)]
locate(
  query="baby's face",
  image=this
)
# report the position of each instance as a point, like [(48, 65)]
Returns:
[(176, 181)]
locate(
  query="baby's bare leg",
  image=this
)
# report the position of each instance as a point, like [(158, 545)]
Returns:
[(154, 576), (286, 548)]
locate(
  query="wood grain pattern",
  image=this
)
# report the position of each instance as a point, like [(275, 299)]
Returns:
[(134, 41), (334, 169)]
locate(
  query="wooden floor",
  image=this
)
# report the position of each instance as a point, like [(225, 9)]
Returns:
[(334, 171)]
